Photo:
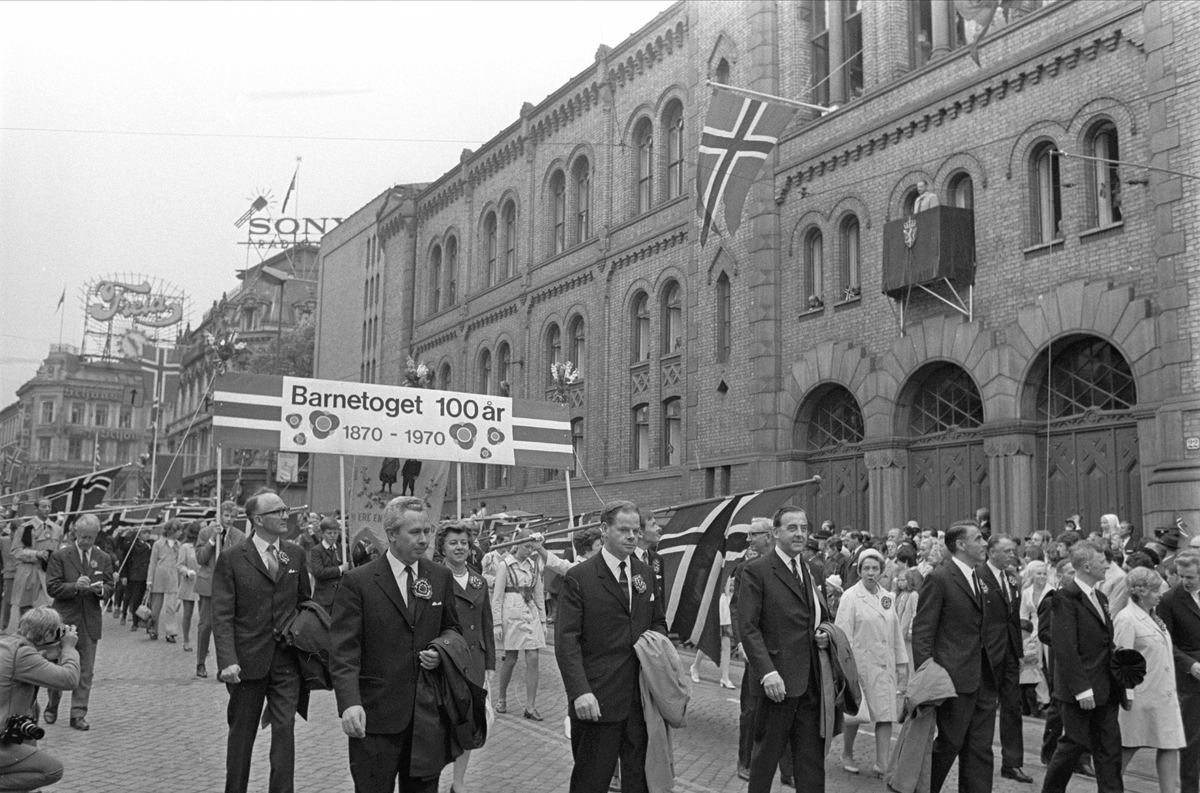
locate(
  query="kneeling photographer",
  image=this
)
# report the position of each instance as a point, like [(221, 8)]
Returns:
[(41, 653)]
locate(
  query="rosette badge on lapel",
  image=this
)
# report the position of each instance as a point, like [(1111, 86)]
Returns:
[(475, 582), (886, 602), (639, 584), (422, 589), (283, 559)]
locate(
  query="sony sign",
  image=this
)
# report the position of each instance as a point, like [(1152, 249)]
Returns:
[(291, 227)]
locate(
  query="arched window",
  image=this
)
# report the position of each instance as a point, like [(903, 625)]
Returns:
[(672, 451), (836, 420), (1045, 195), (1104, 181), (451, 271), (643, 141), (947, 399), (672, 318), (583, 200), (641, 437), (851, 287), (721, 73), (485, 372), (503, 359), (724, 317), (435, 280), (553, 347), (444, 378), (962, 191), (673, 124), (558, 210), (510, 241), (1085, 374), (814, 269), (491, 246), (909, 202), (578, 351), (641, 327)]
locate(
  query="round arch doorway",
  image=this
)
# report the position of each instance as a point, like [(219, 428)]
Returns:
[(828, 434)]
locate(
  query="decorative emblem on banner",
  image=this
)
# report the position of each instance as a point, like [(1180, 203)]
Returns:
[(910, 231)]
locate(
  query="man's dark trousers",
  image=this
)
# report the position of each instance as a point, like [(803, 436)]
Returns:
[(792, 726), (281, 689), (378, 759), (749, 707), (1096, 728), (971, 714), (598, 745)]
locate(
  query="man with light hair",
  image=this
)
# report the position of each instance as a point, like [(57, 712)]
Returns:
[(79, 577), (1179, 610)]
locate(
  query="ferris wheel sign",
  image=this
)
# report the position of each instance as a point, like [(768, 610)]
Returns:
[(123, 311)]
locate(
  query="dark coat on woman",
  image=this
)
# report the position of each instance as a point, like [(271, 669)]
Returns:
[(475, 620)]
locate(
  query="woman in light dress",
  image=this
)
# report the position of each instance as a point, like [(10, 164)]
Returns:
[(1154, 721), (867, 615), (1035, 586), (519, 613), (188, 566), (907, 598), (163, 581), (726, 620)]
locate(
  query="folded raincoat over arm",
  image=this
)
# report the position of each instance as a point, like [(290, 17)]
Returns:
[(665, 695), (910, 768)]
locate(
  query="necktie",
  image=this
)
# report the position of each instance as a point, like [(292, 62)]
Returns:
[(623, 580), (410, 595), (977, 587), (1004, 588), (273, 560)]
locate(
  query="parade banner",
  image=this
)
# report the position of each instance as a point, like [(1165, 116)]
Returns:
[(373, 484)]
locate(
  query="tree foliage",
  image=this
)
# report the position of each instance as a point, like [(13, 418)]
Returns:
[(296, 359)]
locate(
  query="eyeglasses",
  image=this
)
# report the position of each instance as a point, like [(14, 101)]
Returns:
[(280, 511)]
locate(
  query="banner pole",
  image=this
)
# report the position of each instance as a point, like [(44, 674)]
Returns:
[(458, 477), (570, 511), (217, 548), (345, 516)]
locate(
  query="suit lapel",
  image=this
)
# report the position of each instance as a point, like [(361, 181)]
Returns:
[(422, 572), (960, 577), (1088, 605), (1189, 602), (387, 582), (610, 583), (255, 559), (785, 574)]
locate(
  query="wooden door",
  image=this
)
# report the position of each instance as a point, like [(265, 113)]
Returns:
[(841, 495), (946, 483), (1090, 472)]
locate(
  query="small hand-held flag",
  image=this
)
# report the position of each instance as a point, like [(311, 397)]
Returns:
[(61, 299), (739, 134), (291, 188)]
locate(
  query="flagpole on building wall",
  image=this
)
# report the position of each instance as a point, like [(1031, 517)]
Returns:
[(772, 98), (570, 509)]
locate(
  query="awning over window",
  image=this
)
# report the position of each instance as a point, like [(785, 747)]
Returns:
[(936, 244)]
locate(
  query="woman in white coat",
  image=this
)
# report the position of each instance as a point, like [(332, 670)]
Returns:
[(519, 614), (1034, 588), (1154, 721), (163, 580), (867, 615)]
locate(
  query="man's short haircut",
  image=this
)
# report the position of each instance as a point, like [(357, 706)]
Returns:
[(777, 519), (760, 524), (39, 624), (958, 531), (174, 524), (88, 521), (1188, 559), (995, 539), (834, 543), (395, 510), (608, 515), (48, 501), (252, 503), (1069, 539), (906, 555), (1084, 551), (584, 540), (1139, 559), (1062, 565), (330, 524)]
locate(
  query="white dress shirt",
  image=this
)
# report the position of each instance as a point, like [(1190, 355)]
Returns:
[(400, 575), (968, 571), (264, 550), (614, 565), (1002, 579)]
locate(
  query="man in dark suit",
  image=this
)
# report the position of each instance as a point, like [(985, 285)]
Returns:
[(1082, 637), (78, 577), (948, 627), (209, 544), (326, 565), (606, 604), (385, 616), (1179, 610), (779, 610), (257, 586), (1004, 646), (647, 542)]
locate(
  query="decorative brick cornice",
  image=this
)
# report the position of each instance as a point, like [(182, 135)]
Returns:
[(562, 287), (951, 110), (488, 319), (642, 59), (567, 111), (642, 252), (433, 343)]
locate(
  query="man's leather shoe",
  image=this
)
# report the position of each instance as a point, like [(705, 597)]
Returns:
[(1017, 775), (80, 723), (743, 772), (201, 670), (50, 716), (1084, 768)]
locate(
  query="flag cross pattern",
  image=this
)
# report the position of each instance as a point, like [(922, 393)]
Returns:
[(739, 134), (159, 367)]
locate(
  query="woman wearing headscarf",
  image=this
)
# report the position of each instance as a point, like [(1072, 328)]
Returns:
[(867, 615), (1154, 720), (519, 612)]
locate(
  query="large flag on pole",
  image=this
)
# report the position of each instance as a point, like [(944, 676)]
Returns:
[(81, 493), (693, 542), (739, 134), (160, 375)]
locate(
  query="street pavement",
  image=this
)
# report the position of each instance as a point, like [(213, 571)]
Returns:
[(156, 727)]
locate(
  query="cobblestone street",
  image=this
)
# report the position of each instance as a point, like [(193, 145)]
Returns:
[(156, 727)]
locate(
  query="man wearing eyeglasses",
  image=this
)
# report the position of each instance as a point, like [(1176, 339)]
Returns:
[(256, 588)]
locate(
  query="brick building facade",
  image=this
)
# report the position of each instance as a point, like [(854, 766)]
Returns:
[(1065, 384)]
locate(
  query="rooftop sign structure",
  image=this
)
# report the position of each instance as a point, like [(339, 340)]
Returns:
[(123, 312)]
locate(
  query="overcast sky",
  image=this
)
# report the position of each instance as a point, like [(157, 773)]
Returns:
[(133, 135)]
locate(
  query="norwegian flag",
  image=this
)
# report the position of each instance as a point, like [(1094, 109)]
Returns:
[(73, 496), (739, 134), (160, 372)]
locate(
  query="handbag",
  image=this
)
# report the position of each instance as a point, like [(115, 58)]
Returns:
[(143, 613), (863, 716)]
